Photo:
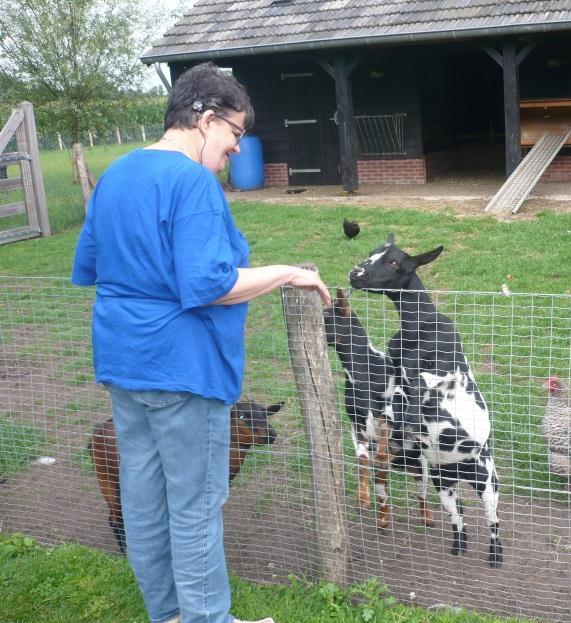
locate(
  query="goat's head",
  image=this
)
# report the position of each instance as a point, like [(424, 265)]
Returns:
[(339, 320), (389, 267), (250, 426)]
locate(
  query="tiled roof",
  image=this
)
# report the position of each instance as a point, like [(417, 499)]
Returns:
[(214, 28)]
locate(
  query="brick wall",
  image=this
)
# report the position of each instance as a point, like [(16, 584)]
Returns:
[(417, 170), (559, 170), (276, 174), (492, 157), (405, 171)]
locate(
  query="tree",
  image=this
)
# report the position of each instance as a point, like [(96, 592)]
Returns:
[(78, 53)]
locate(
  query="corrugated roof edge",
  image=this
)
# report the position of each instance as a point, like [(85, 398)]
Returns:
[(410, 38)]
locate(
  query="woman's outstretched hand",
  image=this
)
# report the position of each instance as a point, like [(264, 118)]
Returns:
[(310, 279)]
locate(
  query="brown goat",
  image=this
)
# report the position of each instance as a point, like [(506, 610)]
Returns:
[(249, 427)]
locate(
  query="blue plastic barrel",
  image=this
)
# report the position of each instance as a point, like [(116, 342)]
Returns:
[(247, 167)]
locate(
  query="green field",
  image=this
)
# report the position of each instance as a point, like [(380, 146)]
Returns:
[(75, 584)]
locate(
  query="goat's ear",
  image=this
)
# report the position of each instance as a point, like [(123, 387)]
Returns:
[(390, 239), (275, 408), (426, 258), (344, 307)]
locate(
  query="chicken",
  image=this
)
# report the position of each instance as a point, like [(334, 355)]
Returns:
[(557, 428), (351, 228)]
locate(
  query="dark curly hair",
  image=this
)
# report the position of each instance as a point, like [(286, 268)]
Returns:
[(206, 87)]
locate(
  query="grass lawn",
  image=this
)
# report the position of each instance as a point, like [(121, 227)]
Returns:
[(75, 584)]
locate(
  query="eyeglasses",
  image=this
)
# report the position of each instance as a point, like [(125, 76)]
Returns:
[(242, 131)]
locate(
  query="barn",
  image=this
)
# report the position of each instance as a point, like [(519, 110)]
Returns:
[(355, 92)]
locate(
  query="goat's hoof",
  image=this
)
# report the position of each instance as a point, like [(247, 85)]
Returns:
[(119, 534), (383, 520), (460, 543), (496, 554), (426, 514)]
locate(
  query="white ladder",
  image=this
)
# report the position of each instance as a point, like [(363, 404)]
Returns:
[(521, 182)]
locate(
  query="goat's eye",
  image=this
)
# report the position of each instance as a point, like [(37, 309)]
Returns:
[(393, 264)]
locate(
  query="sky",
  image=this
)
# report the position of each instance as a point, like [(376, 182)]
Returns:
[(151, 77)]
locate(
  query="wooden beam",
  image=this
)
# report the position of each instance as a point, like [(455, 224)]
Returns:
[(11, 209), (511, 108), (26, 170), (353, 63), (520, 57), (522, 54), (328, 67), (350, 66), (19, 233), (509, 60), (11, 183), (35, 169), (494, 54), (10, 128), (346, 125)]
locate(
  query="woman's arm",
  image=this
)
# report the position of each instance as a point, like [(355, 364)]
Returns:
[(253, 282)]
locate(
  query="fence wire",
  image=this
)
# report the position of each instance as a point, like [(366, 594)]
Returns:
[(514, 344), (125, 134)]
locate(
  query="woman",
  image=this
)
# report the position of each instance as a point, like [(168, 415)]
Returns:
[(172, 278)]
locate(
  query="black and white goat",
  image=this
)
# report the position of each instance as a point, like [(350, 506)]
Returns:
[(371, 402), (446, 410)]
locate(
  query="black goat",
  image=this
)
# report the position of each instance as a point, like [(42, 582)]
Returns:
[(372, 402), (446, 410)]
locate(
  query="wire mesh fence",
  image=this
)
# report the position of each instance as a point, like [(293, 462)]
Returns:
[(134, 133), (518, 347)]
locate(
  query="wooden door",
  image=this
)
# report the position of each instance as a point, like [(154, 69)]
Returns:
[(312, 132)]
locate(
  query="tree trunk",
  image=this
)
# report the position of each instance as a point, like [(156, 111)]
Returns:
[(78, 158)]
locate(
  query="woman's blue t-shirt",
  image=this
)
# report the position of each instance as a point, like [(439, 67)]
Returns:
[(160, 245)]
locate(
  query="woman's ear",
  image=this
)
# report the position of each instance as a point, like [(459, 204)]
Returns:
[(205, 120)]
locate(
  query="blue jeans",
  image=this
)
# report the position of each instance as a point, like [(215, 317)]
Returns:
[(174, 481)]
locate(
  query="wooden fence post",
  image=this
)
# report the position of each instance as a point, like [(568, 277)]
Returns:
[(118, 136), (90, 136), (143, 133), (59, 141), (303, 313), (35, 169), (21, 124)]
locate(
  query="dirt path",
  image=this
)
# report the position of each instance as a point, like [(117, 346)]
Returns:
[(463, 195)]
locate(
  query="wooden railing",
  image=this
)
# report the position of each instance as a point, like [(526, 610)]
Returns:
[(22, 126)]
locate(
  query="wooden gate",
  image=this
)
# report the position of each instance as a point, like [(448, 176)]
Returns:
[(22, 125)]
